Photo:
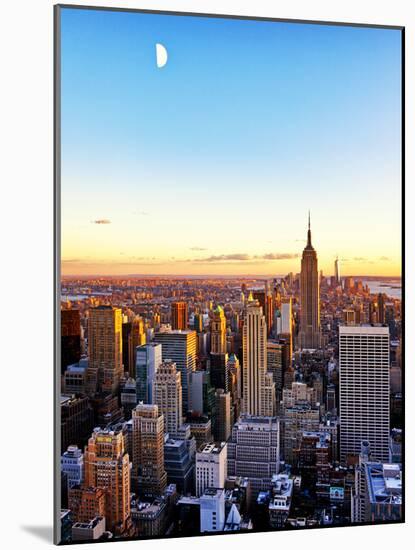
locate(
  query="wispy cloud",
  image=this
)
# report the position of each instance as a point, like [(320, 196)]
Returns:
[(384, 259), (141, 213), (242, 257), (198, 248), (102, 221)]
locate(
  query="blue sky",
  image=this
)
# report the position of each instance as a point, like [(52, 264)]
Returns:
[(223, 151)]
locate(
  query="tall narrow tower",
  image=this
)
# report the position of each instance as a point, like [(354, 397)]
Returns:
[(337, 271), (258, 386), (218, 331), (310, 336)]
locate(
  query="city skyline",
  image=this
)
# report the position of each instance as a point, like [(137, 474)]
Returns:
[(265, 126)]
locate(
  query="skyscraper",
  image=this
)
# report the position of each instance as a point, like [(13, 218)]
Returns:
[(309, 336), (337, 271), (364, 390), (258, 393), (222, 424), (168, 396), (148, 473), (107, 466), (105, 347), (211, 467), (70, 337), (147, 361), (179, 346), (218, 331), (179, 315), (253, 451)]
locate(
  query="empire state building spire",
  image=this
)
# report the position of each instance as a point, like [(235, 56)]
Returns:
[(309, 245)]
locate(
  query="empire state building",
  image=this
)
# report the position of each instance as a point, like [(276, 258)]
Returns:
[(310, 335)]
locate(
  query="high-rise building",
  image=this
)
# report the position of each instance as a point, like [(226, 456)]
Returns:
[(107, 466), (364, 390), (179, 316), (72, 463), (222, 424), (77, 420), (337, 271), (128, 396), (168, 396), (211, 467), (179, 346), (274, 366), (218, 331), (148, 473), (218, 368), (258, 388), (70, 337), (309, 336), (147, 361), (105, 347), (253, 451), (286, 316), (179, 463)]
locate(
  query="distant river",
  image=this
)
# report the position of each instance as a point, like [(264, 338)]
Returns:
[(79, 297), (392, 289)]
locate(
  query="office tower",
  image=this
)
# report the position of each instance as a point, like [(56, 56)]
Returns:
[(274, 366), (309, 336), (147, 361), (337, 271), (179, 316), (222, 423), (198, 322), (105, 347), (312, 459), (331, 399), (70, 337), (269, 312), (77, 420), (72, 464), (148, 473), (180, 347), (218, 331), (87, 503), (218, 369), (364, 390), (107, 466), (256, 398), (286, 316), (211, 467), (168, 396), (253, 451), (201, 393), (299, 413), (381, 308), (234, 386), (179, 463), (128, 397), (212, 510), (127, 348)]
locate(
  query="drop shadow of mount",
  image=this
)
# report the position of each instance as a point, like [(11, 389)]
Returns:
[(42, 532)]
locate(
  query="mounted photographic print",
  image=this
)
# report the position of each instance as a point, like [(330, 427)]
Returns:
[(229, 314)]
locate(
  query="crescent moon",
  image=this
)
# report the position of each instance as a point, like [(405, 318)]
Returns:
[(161, 55)]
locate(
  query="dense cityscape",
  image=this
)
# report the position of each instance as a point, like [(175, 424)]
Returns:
[(205, 404)]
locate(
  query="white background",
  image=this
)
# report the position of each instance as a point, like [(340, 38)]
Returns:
[(26, 302)]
